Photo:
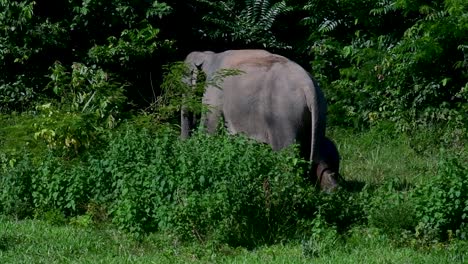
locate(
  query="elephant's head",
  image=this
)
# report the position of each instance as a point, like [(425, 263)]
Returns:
[(199, 60), (196, 61)]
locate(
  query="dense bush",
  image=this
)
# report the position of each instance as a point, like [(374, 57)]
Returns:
[(238, 191), (16, 186), (219, 187), (392, 60), (396, 60), (28, 44), (87, 102), (59, 186), (207, 187), (442, 202), (225, 189), (133, 176), (123, 41)]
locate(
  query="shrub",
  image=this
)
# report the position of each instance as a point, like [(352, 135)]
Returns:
[(60, 186), (220, 188), (223, 188), (342, 209), (442, 201), (391, 60), (88, 102), (237, 191), (323, 240), (133, 176), (15, 187)]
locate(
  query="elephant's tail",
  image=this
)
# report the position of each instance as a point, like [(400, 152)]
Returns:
[(318, 108)]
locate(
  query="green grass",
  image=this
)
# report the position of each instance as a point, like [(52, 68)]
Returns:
[(375, 156), (17, 134), (35, 241)]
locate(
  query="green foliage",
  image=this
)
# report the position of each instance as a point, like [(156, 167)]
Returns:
[(178, 92), (123, 37), (323, 240), (405, 62), (88, 90), (256, 199), (194, 189), (15, 95), (25, 40), (61, 187), (134, 176), (250, 24), (15, 187), (148, 181), (90, 102), (228, 190), (34, 37), (133, 45), (442, 203), (343, 210)]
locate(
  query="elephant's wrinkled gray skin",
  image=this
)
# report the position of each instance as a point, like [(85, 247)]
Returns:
[(273, 100)]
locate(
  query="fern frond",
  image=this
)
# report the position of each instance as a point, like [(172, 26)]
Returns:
[(385, 7), (436, 15), (270, 16), (308, 21), (463, 47), (329, 25), (257, 7)]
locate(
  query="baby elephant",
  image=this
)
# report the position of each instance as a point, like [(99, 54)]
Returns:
[(327, 170)]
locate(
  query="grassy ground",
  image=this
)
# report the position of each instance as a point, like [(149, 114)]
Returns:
[(377, 155), (34, 241)]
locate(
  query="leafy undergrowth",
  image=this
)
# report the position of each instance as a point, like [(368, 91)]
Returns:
[(213, 198)]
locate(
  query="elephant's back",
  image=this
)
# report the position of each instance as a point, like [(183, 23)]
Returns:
[(267, 101)]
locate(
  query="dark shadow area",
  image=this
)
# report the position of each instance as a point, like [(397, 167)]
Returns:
[(353, 186)]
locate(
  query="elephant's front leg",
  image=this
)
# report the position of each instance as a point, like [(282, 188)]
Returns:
[(213, 99), (185, 123), (210, 120)]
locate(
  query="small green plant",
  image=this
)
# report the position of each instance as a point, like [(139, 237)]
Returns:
[(323, 240)]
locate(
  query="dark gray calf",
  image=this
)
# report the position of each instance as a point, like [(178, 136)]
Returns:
[(328, 169)]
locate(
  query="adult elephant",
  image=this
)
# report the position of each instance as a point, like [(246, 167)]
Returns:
[(272, 100)]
